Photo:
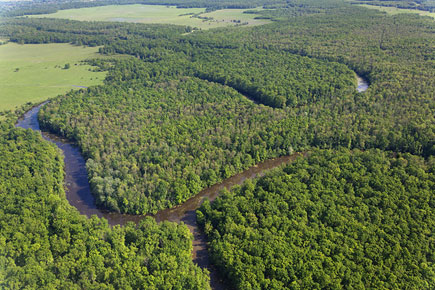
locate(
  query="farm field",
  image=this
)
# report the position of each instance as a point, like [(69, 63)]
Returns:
[(159, 14), (231, 16), (36, 72), (394, 10)]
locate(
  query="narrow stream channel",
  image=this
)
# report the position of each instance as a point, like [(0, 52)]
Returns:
[(79, 194)]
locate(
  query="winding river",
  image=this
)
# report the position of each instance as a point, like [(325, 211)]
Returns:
[(79, 194)]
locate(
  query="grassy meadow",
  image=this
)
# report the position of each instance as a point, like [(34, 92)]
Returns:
[(36, 72), (394, 10), (227, 17), (159, 14)]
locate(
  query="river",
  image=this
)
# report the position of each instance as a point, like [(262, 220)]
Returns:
[(79, 194), (363, 85)]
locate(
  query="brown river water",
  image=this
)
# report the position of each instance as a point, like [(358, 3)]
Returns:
[(79, 194)]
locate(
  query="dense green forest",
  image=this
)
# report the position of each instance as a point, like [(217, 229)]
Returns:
[(277, 79), (335, 220), (321, 106), (185, 135), (182, 109), (272, 77), (45, 243), (152, 148), (28, 30)]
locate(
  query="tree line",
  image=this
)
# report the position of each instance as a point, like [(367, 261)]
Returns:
[(321, 106), (47, 7)]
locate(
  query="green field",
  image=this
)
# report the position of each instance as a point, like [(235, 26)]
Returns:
[(36, 72), (159, 14), (394, 10), (227, 17)]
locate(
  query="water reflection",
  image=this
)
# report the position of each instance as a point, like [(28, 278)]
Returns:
[(363, 85)]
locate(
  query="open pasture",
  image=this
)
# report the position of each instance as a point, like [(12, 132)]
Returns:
[(394, 10), (194, 17), (36, 72)]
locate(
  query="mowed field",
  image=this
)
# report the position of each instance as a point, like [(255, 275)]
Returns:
[(394, 10), (159, 14), (227, 17), (36, 72)]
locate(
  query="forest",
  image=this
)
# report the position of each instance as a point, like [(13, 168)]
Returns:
[(337, 219), (190, 141), (182, 109), (46, 243)]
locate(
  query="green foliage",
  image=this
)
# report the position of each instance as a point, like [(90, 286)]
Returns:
[(425, 5), (31, 72), (197, 18), (26, 8), (34, 30), (193, 128), (160, 129), (275, 78), (157, 146), (44, 243), (394, 53), (337, 219)]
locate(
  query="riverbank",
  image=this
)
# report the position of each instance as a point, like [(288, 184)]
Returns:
[(79, 195)]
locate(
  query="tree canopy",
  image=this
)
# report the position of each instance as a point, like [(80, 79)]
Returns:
[(335, 220), (46, 243), (183, 109)]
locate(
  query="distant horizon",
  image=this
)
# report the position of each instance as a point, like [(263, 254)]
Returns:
[(16, 0)]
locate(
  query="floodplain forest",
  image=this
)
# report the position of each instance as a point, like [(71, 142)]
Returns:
[(181, 109)]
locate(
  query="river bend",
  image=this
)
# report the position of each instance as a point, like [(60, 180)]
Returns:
[(79, 194)]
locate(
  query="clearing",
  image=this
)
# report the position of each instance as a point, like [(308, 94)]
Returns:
[(394, 10), (36, 72), (194, 17)]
